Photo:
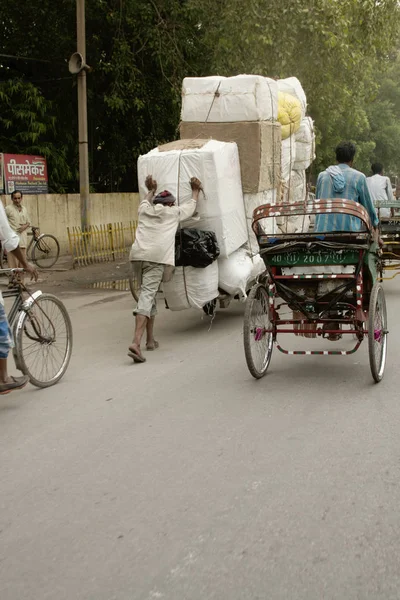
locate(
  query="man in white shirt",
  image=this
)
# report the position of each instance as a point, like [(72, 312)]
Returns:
[(19, 220), (380, 189), (10, 241), (154, 249)]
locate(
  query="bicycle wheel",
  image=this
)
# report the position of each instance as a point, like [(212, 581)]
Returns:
[(45, 251), (377, 332), (44, 341), (258, 344), (133, 282)]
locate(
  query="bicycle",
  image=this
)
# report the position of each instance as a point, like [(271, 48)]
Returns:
[(43, 250), (42, 333)]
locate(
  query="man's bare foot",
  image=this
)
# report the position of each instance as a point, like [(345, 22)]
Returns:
[(152, 345), (135, 353)]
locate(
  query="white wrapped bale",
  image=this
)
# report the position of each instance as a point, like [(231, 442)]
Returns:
[(259, 145), (267, 225), (217, 166), (288, 157), (297, 186), (296, 191), (253, 201), (228, 99), (190, 287), (305, 145), (292, 86)]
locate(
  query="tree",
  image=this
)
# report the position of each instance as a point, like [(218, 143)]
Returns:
[(383, 115), (27, 126), (334, 48), (140, 51)]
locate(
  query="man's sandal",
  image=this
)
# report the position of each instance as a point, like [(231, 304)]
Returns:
[(17, 383), (137, 356)]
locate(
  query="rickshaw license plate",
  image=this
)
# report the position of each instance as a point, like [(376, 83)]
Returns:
[(299, 258)]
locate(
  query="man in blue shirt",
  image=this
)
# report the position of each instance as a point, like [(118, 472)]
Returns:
[(342, 181)]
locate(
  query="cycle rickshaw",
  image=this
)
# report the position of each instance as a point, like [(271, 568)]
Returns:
[(316, 285), (390, 235)]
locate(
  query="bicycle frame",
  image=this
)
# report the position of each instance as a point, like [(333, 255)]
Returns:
[(17, 304)]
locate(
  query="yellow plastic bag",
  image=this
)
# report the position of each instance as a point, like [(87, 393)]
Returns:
[(289, 114)]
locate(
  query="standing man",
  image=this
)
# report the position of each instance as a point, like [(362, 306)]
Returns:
[(10, 241), (342, 181), (19, 220), (380, 189), (152, 250)]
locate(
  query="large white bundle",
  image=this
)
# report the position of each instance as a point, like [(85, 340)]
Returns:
[(295, 191), (238, 270), (253, 201), (292, 86), (229, 99), (191, 288), (288, 157), (267, 225), (297, 186), (305, 145), (217, 166), (294, 224)]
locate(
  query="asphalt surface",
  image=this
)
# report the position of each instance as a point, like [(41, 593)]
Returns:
[(184, 478)]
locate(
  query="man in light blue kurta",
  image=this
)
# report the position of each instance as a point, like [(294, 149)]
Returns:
[(342, 181)]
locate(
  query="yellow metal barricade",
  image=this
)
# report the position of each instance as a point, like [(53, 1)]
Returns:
[(101, 243)]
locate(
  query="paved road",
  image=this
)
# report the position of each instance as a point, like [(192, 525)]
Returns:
[(184, 478)]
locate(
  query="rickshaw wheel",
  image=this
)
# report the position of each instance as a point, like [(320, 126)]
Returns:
[(258, 344), (377, 332)]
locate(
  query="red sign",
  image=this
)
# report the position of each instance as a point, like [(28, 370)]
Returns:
[(27, 174)]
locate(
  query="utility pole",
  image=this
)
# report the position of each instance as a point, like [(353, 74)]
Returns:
[(82, 115)]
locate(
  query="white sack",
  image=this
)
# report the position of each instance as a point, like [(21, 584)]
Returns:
[(292, 86), (216, 164), (238, 271), (190, 287), (305, 145), (288, 157), (229, 99), (235, 272), (258, 267)]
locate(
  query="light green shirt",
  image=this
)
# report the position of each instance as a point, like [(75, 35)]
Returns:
[(17, 218)]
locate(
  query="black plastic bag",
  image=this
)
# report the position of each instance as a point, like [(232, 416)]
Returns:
[(195, 248)]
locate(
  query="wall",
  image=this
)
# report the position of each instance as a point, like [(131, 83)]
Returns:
[(53, 213)]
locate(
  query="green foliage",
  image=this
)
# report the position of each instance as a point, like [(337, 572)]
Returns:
[(336, 49), (27, 126), (140, 50)]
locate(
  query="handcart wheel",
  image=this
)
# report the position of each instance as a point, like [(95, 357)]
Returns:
[(377, 332), (257, 343)]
